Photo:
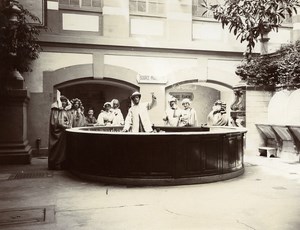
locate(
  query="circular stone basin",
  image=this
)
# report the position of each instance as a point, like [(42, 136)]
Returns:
[(168, 156)]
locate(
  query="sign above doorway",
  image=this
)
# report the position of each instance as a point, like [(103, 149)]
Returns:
[(182, 95), (150, 79)]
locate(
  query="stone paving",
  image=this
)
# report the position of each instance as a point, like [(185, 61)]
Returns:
[(266, 197)]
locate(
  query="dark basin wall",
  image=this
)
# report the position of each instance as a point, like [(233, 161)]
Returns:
[(155, 156)]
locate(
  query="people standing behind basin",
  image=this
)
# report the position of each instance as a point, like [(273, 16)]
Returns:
[(173, 113), (106, 116), (218, 116), (90, 120), (78, 118), (188, 117), (60, 120), (118, 119), (137, 119)]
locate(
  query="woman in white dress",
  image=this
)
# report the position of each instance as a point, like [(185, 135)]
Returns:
[(173, 113), (106, 116), (118, 119), (188, 117)]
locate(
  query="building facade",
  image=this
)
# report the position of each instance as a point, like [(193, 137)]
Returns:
[(97, 50)]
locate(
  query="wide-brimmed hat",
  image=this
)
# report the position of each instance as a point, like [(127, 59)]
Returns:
[(135, 94), (186, 100)]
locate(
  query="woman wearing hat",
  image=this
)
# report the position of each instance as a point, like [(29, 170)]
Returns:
[(60, 120), (188, 116), (118, 119), (78, 118), (173, 113), (106, 116), (137, 119)]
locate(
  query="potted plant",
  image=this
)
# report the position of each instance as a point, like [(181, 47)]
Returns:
[(18, 41)]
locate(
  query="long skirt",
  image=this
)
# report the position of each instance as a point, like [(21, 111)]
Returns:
[(57, 149)]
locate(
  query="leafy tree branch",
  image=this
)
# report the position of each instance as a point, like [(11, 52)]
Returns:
[(249, 20)]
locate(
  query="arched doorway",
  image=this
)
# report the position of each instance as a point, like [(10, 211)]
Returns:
[(95, 92), (202, 94)]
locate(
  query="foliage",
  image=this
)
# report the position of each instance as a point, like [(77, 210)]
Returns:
[(18, 39), (251, 19), (279, 69), (260, 71), (289, 64)]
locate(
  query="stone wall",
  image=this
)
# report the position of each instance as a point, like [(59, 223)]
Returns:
[(257, 102)]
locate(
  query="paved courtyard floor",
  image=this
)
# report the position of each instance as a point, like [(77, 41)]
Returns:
[(266, 197)]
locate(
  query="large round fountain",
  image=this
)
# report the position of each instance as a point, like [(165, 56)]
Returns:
[(169, 156)]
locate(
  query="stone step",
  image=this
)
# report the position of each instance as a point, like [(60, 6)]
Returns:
[(267, 151)]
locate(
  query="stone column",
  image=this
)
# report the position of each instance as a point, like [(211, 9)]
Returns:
[(116, 18), (179, 15), (14, 147), (264, 42)]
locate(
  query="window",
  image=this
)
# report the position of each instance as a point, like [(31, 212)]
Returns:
[(83, 16), (147, 7), (198, 9), (92, 5), (288, 19)]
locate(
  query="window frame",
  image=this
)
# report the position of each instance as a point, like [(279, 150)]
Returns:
[(202, 17), (147, 13), (81, 8), (81, 32)]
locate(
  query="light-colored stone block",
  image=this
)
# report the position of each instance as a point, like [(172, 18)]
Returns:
[(267, 151)]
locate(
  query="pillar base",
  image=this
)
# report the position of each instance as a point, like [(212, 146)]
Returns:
[(14, 146), (15, 153)]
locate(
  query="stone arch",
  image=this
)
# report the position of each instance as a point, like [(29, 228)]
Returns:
[(85, 72), (72, 76), (277, 108), (200, 91), (95, 92), (293, 108), (284, 108), (211, 83), (65, 74)]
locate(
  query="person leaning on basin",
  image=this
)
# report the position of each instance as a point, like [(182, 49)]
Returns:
[(118, 119), (106, 116), (188, 117), (137, 119), (218, 116), (78, 118), (173, 113), (90, 119)]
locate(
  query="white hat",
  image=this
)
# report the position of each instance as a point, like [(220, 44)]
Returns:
[(106, 103), (172, 99), (115, 101), (186, 100), (135, 94)]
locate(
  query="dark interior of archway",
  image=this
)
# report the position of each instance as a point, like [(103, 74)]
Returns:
[(95, 95)]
